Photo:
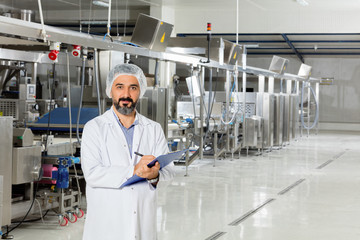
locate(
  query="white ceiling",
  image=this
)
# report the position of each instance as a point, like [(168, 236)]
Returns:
[(264, 5), (270, 5)]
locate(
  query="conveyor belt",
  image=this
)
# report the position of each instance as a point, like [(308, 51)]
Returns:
[(59, 119)]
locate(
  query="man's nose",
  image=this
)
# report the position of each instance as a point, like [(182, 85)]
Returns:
[(126, 93)]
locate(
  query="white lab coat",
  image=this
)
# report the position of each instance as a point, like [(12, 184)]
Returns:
[(114, 213)]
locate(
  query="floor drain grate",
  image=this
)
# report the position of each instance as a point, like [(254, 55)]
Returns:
[(339, 155), (291, 186), (250, 213), (324, 164), (215, 235)]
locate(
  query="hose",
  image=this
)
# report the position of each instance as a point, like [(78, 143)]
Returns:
[(302, 108), (233, 117), (81, 98), (96, 72)]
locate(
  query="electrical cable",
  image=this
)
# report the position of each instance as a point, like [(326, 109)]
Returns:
[(36, 219), (130, 43), (81, 98), (27, 213)]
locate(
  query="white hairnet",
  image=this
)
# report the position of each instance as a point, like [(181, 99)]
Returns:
[(126, 69)]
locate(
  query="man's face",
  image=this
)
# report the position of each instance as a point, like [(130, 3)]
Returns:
[(125, 93)]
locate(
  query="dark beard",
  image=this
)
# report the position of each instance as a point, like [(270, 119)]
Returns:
[(126, 110)]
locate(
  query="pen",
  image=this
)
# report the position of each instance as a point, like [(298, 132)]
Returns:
[(139, 154)]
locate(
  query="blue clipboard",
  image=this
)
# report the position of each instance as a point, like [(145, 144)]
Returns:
[(163, 160)]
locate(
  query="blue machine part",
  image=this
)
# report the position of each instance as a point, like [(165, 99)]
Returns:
[(189, 120), (62, 174), (60, 116)]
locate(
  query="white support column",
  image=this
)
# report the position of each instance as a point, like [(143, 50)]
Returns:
[(288, 86), (271, 85), (317, 91), (261, 84), (297, 87), (227, 89), (202, 90), (309, 107)]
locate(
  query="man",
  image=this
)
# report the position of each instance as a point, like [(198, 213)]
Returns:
[(108, 160)]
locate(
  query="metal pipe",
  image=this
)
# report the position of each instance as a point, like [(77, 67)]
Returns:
[(69, 103), (228, 83), (43, 31), (309, 113), (34, 73), (202, 113), (244, 63), (109, 16), (317, 92), (96, 73)]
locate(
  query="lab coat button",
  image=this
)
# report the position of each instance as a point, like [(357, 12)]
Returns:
[(134, 212)]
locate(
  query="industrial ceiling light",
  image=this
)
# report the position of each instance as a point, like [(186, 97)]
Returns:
[(103, 3), (302, 2)]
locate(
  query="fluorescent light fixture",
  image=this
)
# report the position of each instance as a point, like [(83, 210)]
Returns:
[(302, 2), (101, 3)]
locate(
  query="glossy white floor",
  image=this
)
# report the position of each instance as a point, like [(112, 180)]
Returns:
[(308, 190)]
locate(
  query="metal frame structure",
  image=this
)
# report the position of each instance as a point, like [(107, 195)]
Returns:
[(294, 44), (35, 32)]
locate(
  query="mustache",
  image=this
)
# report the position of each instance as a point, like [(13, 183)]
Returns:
[(126, 99)]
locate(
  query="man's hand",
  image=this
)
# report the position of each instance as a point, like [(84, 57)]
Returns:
[(142, 170)]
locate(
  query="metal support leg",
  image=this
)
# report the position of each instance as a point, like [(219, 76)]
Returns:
[(187, 155), (215, 147)]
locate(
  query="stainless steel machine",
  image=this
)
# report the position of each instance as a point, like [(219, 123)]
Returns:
[(253, 132), (295, 102), (6, 143), (265, 105), (287, 119), (278, 119), (1, 200)]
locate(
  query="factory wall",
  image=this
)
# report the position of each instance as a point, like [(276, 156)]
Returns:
[(292, 18), (340, 102)]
